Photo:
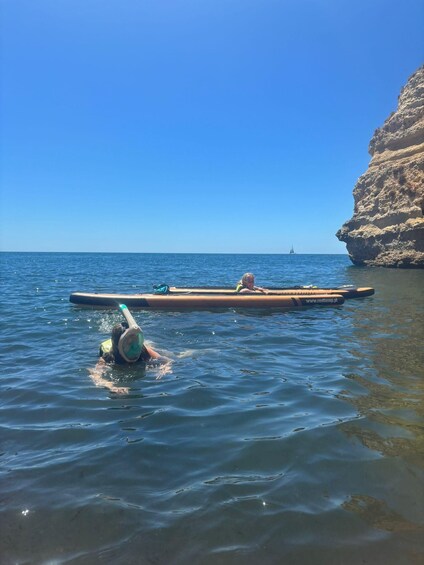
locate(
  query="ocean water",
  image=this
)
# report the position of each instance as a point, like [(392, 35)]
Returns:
[(279, 437)]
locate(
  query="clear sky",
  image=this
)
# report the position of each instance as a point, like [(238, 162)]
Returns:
[(194, 125)]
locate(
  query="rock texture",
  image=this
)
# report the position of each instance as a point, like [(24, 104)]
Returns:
[(387, 227)]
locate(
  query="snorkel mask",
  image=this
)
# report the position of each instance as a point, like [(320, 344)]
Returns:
[(131, 341)]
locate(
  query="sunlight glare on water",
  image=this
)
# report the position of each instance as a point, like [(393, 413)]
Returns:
[(290, 437)]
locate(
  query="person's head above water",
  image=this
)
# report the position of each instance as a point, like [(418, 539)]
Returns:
[(248, 280), (127, 343), (127, 338)]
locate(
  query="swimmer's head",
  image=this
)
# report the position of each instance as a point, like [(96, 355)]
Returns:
[(248, 279), (128, 341)]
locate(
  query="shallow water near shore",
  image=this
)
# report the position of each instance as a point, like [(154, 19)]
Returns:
[(279, 437)]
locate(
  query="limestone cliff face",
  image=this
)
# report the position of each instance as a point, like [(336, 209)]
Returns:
[(387, 227)]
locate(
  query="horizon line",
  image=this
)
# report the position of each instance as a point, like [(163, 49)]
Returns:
[(180, 252)]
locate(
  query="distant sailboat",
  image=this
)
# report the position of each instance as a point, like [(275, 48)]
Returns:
[(291, 250)]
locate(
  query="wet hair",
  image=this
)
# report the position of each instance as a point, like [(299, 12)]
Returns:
[(117, 331), (245, 277), (113, 355)]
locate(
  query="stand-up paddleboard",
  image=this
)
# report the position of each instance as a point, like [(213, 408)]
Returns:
[(346, 291), (205, 301)]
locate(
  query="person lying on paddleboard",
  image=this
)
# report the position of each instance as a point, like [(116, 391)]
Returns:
[(126, 346), (247, 285)]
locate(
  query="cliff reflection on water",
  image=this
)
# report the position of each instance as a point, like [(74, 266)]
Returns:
[(390, 335)]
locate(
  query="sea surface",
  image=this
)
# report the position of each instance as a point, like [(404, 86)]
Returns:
[(279, 437)]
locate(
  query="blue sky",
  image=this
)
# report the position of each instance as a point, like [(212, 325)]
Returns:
[(194, 125)]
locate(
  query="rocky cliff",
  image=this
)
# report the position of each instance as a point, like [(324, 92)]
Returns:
[(387, 227)]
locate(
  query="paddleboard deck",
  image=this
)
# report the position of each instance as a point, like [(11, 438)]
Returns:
[(345, 291)]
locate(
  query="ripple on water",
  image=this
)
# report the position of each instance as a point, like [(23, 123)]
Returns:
[(290, 436)]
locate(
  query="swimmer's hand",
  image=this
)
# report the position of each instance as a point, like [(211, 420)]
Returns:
[(164, 364), (164, 369), (263, 290), (96, 376), (119, 389)]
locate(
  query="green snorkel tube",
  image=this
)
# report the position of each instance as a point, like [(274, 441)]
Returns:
[(131, 341)]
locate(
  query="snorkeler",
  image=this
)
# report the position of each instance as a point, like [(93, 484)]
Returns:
[(126, 345)]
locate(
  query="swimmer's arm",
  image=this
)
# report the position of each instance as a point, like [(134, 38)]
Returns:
[(164, 363), (153, 354), (254, 290), (96, 376), (260, 289)]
